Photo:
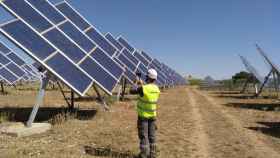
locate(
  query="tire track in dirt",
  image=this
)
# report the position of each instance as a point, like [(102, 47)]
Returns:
[(228, 138), (199, 138)]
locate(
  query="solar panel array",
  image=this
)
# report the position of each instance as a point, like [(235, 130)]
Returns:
[(251, 69), (68, 46), (10, 71), (30, 73)]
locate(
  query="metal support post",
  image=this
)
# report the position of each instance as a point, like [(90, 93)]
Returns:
[(101, 99), (2, 88), (263, 84), (64, 96), (123, 89), (119, 90), (72, 100), (245, 86), (39, 101)]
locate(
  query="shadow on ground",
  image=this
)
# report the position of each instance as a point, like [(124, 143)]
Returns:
[(230, 92), (244, 96), (19, 114), (256, 106), (270, 128)]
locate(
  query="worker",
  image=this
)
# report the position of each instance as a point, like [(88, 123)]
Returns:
[(146, 109)]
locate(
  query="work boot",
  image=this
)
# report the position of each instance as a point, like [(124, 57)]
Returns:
[(143, 153), (153, 151)]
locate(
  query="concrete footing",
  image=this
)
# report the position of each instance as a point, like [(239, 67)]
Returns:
[(20, 130)]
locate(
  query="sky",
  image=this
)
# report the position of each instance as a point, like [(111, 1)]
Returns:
[(195, 37)]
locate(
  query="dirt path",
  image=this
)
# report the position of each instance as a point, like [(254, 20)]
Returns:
[(227, 136), (199, 138)]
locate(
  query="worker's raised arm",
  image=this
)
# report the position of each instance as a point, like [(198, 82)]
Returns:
[(138, 91)]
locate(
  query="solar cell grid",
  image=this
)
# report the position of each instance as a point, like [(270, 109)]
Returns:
[(61, 41), (125, 44), (114, 41), (90, 30), (130, 56)]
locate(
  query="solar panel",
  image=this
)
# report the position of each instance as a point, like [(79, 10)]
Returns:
[(18, 62), (146, 56), (60, 40), (3, 48), (273, 66), (126, 44), (114, 41), (141, 58), (128, 74), (39, 49), (251, 69), (86, 27), (10, 71), (8, 76), (109, 44), (127, 62), (130, 56)]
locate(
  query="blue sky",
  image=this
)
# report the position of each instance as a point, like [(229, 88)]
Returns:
[(193, 36)]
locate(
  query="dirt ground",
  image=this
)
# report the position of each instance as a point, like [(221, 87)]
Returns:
[(191, 123)]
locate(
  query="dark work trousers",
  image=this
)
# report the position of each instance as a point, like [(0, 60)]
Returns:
[(146, 133)]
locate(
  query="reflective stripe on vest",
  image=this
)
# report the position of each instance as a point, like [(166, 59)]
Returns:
[(147, 104)]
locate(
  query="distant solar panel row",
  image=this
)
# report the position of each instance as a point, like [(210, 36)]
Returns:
[(10, 71), (30, 74)]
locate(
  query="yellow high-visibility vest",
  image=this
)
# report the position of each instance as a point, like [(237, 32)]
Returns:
[(147, 105)]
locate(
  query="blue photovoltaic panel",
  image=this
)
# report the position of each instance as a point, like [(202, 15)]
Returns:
[(82, 40), (20, 7), (15, 69), (130, 56), (143, 68), (141, 58), (16, 59), (146, 56), (119, 62), (21, 34), (114, 41), (127, 62), (65, 45), (4, 49), (29, 39), (126, 44), (77, 36), (44, 7), (101, 41), (107, 62), (4, 60), (130, 75), (26, 77), (8, 76), (92, 68), (92, 33), (157, 63), (72, 15), (69, 72)]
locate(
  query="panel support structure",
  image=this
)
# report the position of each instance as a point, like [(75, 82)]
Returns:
[(2, 87), (100, 98), (63, 94), (39, 100), (124, 83), (263, 84)]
